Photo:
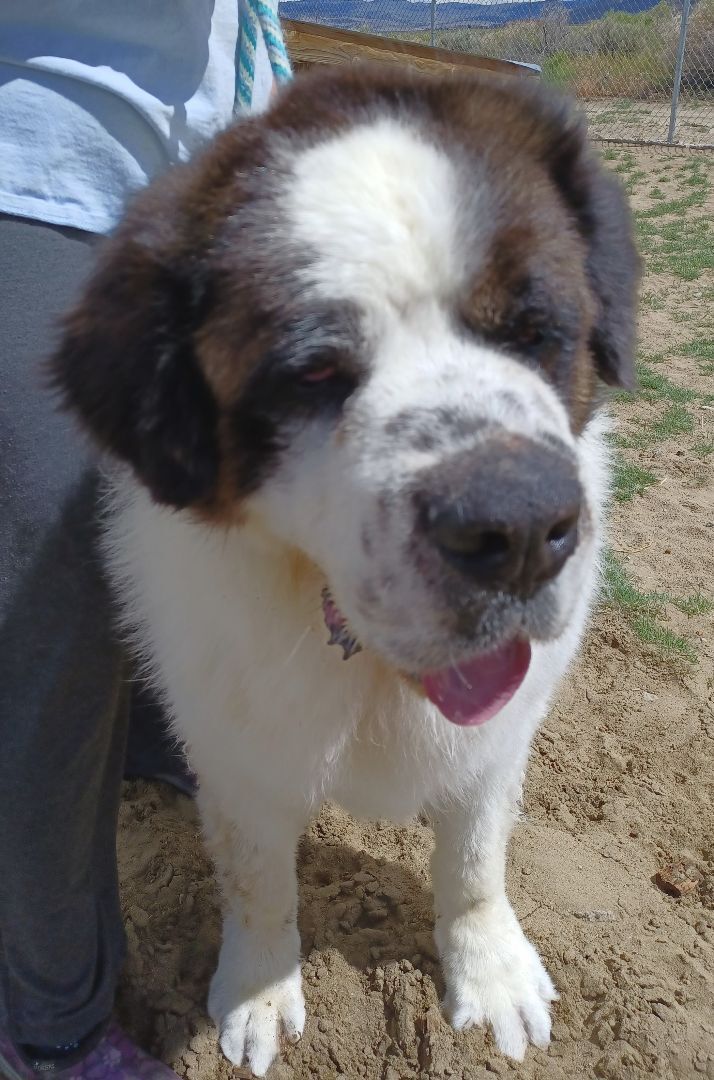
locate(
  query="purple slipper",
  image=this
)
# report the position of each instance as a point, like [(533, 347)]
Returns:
[(115, 1057)]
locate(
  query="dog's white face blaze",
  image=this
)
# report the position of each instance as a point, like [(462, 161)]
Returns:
[(379, 211), (381, 206)]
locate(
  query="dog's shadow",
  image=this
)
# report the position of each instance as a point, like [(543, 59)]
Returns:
[(371, 907)]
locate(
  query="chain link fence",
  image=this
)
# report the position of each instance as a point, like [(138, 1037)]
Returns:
[(643, 70)]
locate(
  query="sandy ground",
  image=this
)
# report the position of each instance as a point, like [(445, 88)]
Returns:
[(620, 785)]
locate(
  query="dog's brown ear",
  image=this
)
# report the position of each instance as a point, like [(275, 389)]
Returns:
[(126, 363), (604, 219)]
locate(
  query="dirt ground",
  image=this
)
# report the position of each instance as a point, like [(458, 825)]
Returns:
[(649, 120), (620, 785)]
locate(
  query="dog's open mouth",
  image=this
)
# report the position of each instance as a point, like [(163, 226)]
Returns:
[(467, 693)]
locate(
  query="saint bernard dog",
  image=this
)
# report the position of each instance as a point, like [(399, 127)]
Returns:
[(346, 367)]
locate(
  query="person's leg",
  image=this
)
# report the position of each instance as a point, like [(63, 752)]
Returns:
[(63, 703), (62, 686), (152, 752)]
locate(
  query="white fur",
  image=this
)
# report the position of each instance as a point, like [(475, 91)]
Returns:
[(276, 721), (395, 200)]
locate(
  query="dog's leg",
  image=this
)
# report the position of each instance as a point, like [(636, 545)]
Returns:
[(256, 991), (493, 974)]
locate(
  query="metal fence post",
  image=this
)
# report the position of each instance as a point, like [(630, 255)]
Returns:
[(678, 70), (433, 21)]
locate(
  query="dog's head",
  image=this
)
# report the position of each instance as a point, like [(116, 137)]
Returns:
[(373, 321)]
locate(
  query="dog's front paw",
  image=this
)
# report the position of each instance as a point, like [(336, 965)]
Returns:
[(495, 976), (249, 1032)]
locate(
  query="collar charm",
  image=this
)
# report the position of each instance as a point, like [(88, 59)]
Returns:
[(340, 633)]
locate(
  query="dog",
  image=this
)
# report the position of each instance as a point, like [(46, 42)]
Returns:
[(347, 366)]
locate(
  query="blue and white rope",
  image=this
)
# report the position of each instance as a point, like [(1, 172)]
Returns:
[(258, 16)]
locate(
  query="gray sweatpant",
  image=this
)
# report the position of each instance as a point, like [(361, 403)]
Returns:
[(63, 691)]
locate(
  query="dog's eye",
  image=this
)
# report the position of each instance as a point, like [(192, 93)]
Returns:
[(529, 337), (319, 374), (529, 334), (325, 381)]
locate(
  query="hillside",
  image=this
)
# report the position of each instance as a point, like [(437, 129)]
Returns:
[(392, 16)]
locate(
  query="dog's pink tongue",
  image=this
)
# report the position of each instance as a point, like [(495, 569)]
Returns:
[(472, 692)]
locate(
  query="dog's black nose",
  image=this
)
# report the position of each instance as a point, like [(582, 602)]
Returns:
[(507, 513)]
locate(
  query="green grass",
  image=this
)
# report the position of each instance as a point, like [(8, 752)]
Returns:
[(638, 440), (703, 448), (674, 421), (702, 349), (677, 207), (643, 610), (683, 248), (621, 591), (652, 301), (657, 387), (631, 180), (695, 173), (620, 396), (694, 605), (676, 238), (630, 480), (624, 112), (627, 163), (696, 180), (661, 638)]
